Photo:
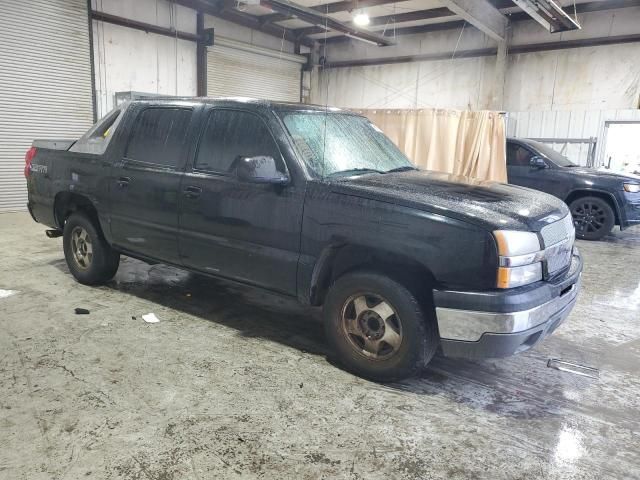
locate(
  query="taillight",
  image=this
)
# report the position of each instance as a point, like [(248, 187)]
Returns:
[(27, 161)]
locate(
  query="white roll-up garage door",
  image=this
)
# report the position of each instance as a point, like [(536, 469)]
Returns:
[(238, 69), (45, 83)]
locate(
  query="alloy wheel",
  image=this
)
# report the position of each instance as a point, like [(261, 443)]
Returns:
[(81, 247), (372, 326), (588, 217)]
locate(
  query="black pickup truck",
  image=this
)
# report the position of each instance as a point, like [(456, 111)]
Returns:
[(317, 204), (597, 200)]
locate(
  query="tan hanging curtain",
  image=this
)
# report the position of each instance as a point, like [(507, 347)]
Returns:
[(460, 142)]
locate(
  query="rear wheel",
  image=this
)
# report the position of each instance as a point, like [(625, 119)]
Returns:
[(377, 328), (89, 257), (593, 217)]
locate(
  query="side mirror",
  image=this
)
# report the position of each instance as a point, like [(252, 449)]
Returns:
[(538, 162), (261, 169)]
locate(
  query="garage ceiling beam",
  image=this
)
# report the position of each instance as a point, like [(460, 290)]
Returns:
[(482, 15), (344, 6), (320, 19), (145, 27), (226, 9), (401, 31), (549, 15), (390, 19), (443, 12), (430, 14), (487, 52), (500, 4), (347, 6), (587, 7)]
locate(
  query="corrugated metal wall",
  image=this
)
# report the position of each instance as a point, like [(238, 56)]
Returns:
[(569, 124), (45, 83), (243, 70)]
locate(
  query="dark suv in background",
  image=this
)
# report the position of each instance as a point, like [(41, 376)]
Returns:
[(597, 200)]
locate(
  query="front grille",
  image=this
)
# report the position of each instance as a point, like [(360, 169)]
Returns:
[(558, 231), (559, 256), (558, 238)]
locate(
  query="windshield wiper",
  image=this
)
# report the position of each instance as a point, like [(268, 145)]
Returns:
[(406, 168), (356, 171)]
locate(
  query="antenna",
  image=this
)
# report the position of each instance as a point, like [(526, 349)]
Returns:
[(326, 97)]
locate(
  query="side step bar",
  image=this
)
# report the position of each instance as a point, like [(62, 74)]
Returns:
[(53, 233)]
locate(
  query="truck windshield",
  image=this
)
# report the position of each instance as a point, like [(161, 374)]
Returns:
[(339, 144), (550, 154)]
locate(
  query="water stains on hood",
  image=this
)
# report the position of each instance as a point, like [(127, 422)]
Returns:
[(491, 205)]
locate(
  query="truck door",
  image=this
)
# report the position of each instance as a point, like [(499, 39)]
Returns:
[(244, 231), (145, 182)]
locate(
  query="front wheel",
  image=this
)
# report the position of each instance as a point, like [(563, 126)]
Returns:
[(377, 327), (593, 217), (89, 257)]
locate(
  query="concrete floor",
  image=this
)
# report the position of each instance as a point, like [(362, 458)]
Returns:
[(234, 383)]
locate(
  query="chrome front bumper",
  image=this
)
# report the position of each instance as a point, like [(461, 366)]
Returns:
[(470, 326), (489, 333)]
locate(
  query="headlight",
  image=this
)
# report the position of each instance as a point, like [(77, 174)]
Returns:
[(631, 187), (518, 276), (520, 258), (515, 242)]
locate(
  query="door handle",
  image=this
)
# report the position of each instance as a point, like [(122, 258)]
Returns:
[(123, 182), (192, 192)]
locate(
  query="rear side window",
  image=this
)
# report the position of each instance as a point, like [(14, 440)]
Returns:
[(158, 136), (103, 129), (232, 134), (97, 139)]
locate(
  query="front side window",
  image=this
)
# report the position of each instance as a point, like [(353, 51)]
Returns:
[(159, 135), (230, 135), (341, 144), (549, 153), (518, 156)]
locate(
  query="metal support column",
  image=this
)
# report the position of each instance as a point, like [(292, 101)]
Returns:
[(497, 97), (201, 58), (94, 100)]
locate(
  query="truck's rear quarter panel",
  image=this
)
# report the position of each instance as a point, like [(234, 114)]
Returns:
[(56, 172)]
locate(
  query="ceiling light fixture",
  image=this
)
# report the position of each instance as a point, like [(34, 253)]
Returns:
[(549, 14), (314, 17), (361, 19)]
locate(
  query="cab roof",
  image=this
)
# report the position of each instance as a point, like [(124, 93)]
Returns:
[(275, 105)]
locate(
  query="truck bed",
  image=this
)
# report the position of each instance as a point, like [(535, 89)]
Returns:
[(54, 144)]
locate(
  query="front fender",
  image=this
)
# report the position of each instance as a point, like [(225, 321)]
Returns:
[(456, 253)]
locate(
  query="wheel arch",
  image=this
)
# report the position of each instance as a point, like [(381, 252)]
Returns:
[(338, 260), (606, 196), (66, 203)]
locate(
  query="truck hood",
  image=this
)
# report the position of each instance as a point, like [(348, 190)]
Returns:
[(490, 205)]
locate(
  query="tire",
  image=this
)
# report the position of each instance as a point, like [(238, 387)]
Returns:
[(89, 257), (593, 217), (362, 311)]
